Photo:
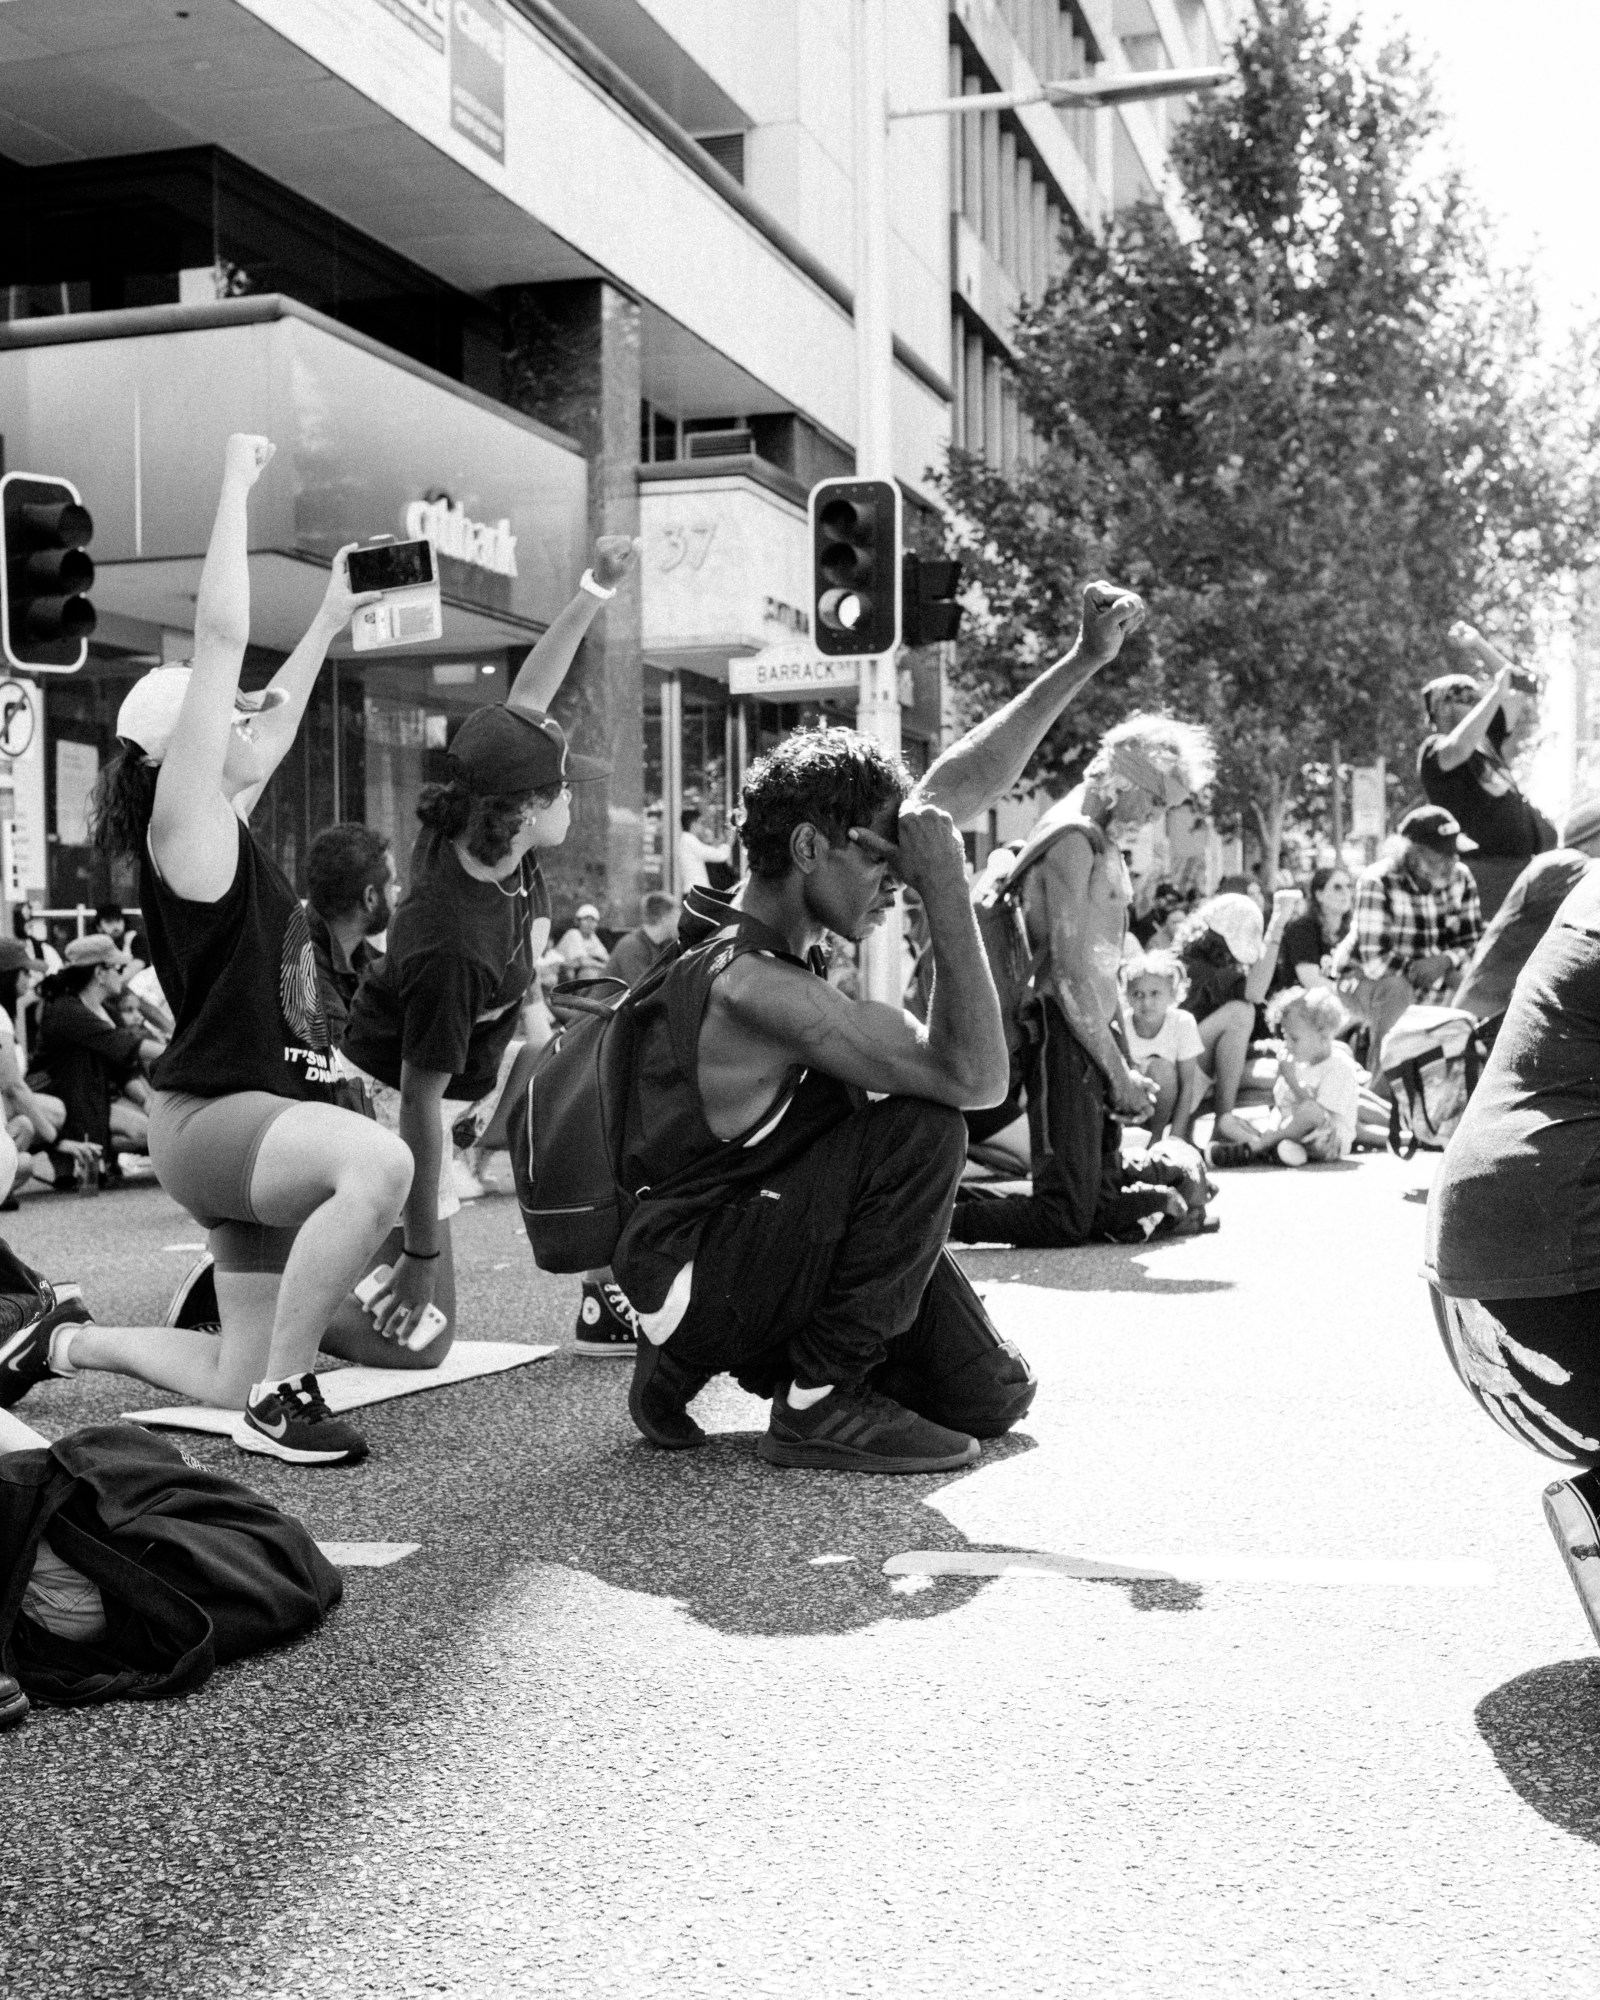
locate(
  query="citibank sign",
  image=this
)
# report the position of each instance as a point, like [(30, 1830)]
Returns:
[(485, 545)]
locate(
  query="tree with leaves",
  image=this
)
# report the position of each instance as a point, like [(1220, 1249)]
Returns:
[(1312, 428)]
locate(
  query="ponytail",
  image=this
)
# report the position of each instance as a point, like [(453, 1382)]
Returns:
[(123, 800)]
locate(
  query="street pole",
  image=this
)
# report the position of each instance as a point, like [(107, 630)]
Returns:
[(878, 707)]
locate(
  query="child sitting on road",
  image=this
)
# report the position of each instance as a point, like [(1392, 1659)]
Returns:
[(1317, 1097), (1163, 1040)]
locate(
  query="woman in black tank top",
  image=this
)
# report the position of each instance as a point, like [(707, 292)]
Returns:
[(296, 1192)]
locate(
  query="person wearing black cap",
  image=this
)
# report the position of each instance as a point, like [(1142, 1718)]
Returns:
[(1462, 766), (433, 1019), (1417, 921)]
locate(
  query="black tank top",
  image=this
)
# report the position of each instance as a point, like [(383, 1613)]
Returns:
[(240, 981), (678, 1166)]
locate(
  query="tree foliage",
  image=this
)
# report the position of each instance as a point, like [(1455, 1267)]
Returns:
[(1313, 428)]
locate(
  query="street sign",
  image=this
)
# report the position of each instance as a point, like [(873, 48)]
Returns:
[(789, 668), (1369, 803), (17, 720)]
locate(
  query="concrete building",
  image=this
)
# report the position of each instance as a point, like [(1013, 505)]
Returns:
[(556, 270)]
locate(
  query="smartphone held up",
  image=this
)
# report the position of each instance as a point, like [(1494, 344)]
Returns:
[(409, 612)]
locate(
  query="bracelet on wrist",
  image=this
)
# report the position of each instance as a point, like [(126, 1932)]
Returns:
[(419, 1256), (587, 582)]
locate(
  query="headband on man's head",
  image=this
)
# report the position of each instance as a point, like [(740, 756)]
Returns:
[(1130, 762)]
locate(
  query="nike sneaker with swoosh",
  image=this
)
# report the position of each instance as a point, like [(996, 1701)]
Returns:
[(25, 1354), (293, 1423)]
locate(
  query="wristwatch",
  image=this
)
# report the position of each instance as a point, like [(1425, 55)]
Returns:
[(587, 582)]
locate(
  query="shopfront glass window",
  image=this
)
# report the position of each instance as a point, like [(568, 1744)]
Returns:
[(655, 782), (705, 753)]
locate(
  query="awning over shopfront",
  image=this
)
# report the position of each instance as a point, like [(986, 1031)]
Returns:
[(134, 407)]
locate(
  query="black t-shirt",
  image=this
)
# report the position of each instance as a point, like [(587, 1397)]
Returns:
[(1502, 822), (241, 981), (1515, 1207), (1303, 944), (87, 1059), (461, 957)]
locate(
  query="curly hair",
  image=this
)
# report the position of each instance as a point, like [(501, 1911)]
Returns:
[(1320, 1005), (1157, 965), (1183, 748), (123, 799), (830, 778), (490, 821)]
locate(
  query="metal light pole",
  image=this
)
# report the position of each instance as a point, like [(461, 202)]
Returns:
[(878, 710), (878, 703)]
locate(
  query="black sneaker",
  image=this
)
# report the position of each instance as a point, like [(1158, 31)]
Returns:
[(607, 1324), (194, 1303), (13, 1703), (293, 1422), (1232, 1153), (1569, 1507), (857, 1430), (660, 1395), (25, 1354)]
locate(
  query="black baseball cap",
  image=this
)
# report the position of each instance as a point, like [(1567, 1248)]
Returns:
[(1432, 826), (501, 751)]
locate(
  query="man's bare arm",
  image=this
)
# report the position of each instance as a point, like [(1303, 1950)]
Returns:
[(987, 762), (958, 1058)]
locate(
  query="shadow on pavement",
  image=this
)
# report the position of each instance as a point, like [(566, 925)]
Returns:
[(1544, 1731), (1097, 1267)]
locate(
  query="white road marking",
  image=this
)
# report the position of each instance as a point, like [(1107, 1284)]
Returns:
[(187, 1248), (367, 1555), (822, 1562), (1464, 1574)]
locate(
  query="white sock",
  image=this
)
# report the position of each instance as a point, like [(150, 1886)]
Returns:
[(802, 1399), (60, 1355), (259, 1391)]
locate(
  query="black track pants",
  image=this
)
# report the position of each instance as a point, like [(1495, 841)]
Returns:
[(835, 1270)]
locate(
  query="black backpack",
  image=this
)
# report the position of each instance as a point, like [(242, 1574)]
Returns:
[(568, 1129)]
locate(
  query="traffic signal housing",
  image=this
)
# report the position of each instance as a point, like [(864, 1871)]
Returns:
[(46, 577), (855, 566), (929, 611)]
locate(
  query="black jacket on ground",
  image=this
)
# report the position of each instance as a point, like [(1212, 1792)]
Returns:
[(195, 1570)]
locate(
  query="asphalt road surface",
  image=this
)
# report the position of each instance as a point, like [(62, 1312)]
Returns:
[(639, 1724)]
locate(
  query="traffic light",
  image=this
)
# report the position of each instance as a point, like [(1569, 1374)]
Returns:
[(855, 566), (45, 613), (930, 613)]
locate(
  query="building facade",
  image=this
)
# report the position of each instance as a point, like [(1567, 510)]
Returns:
[(549, 271)]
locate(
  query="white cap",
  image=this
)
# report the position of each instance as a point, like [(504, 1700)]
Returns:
[(588, 910), (1237, 921), (150, 708)]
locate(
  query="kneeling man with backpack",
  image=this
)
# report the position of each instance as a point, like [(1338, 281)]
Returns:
[(776, 1222)]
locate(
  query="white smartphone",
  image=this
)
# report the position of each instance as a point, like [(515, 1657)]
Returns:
[(373, 1283), (430, 1321), (430, 1324)]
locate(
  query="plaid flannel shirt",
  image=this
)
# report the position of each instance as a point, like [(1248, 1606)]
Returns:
[(1397, 919)]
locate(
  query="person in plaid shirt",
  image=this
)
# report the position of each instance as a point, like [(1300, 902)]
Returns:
[(1417, 922)]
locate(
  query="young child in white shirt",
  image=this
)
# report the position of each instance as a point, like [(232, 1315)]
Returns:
[(1317, 1097), (1163, 1040)]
